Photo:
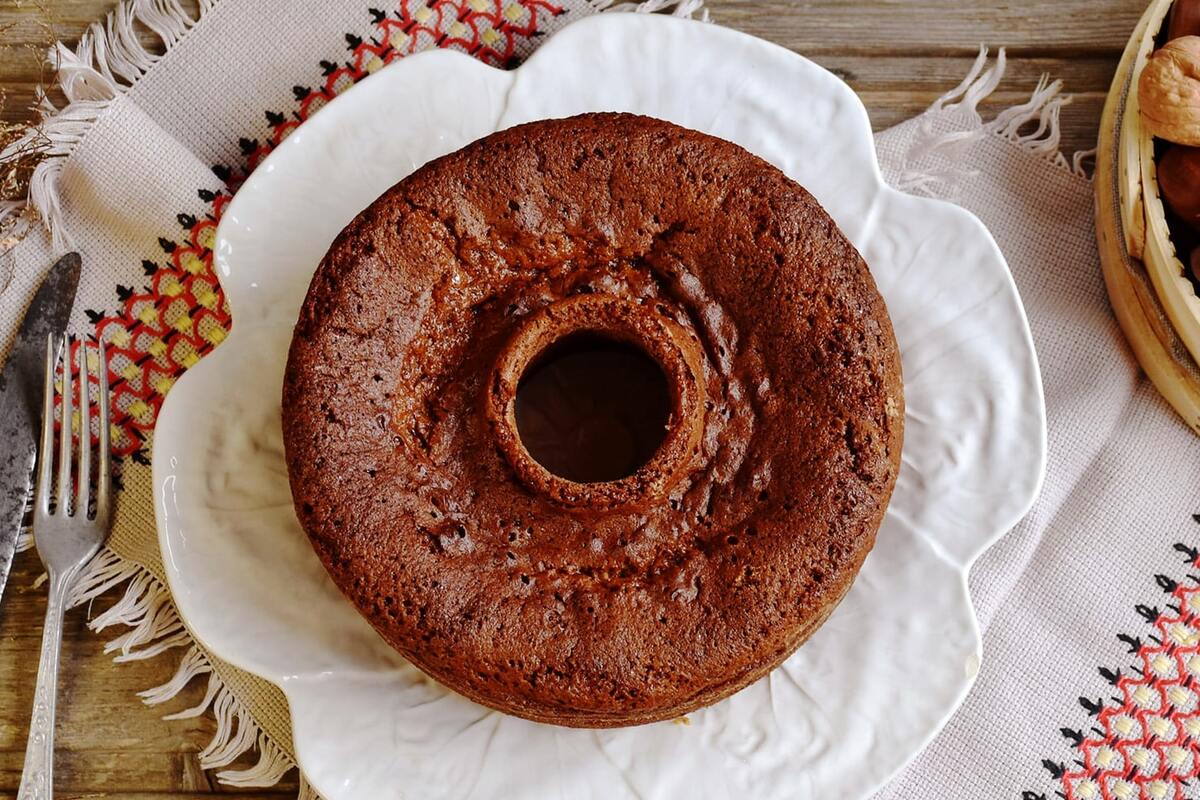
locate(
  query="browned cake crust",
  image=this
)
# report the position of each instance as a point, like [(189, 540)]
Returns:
[(594, 608)]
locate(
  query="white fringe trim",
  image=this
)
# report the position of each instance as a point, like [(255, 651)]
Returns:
[(107, 62), (193, 665), (690, 9), (942, 154), (154, 626)]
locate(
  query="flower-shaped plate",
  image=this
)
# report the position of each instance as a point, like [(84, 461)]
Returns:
[(845, 712)]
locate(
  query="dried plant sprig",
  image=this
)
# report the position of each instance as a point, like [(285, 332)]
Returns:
[(23, 144)]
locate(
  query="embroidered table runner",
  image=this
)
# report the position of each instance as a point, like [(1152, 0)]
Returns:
[(1090, 639)]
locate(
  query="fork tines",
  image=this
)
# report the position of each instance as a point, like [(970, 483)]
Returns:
[(57, 346)]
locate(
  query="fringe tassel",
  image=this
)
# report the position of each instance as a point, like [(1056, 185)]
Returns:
[(108, 61), (193, 665), (976, 86), (103, 572), (306, 791), (154, 626), (166, 18), (690, 9), (941, 154), (214, 686), (126, 57), (1044, 108), (1084, 162), (235, 733), (272, 765)]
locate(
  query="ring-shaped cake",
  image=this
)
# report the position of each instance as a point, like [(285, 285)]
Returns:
[(617, 602)]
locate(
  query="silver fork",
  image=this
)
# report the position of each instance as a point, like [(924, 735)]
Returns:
[(66, 538)]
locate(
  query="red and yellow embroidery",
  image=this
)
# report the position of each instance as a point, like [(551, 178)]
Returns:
[(1144, 740), (169, 325)]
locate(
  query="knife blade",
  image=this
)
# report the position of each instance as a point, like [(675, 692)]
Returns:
[(21, 398)]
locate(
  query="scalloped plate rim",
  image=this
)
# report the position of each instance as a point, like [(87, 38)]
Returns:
[(162, 472)]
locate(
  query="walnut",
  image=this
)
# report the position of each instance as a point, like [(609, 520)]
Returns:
[(1169, 92)]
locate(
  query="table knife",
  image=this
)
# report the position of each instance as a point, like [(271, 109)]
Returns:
[(21, 398)]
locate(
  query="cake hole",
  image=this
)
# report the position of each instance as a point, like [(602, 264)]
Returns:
[(591, 409)]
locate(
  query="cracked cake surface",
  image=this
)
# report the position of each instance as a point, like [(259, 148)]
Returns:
[(594, 604)]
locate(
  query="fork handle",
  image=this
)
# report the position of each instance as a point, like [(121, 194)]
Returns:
[(37, 776)]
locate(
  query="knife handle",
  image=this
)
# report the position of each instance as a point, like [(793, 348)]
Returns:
[(37, 776)]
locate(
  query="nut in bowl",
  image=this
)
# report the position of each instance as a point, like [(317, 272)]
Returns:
[(1169, 91), (1179, 180)]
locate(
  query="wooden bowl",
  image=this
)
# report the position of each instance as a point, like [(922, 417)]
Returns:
[(1154, 300)]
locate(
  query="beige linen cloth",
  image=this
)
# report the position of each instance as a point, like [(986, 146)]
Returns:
[(135, 156)]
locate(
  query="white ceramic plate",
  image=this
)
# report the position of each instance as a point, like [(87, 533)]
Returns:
[(847, 710)]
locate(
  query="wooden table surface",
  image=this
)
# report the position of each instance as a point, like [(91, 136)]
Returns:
[(897, 54)]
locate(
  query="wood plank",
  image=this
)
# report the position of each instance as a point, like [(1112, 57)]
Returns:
[(891, 99), (1065, 27), (919, 33), (936, 27), (893, 86), (95, 693), (25, 30), (123, 772), (934, 74), (27, 22), (107, 740), (937, 74)]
